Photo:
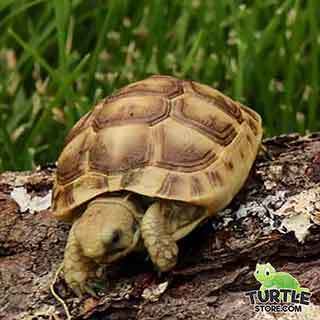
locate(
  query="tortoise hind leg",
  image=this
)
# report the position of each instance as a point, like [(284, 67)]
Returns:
[(161, 246)]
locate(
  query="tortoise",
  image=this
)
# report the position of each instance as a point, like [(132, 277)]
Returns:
[(145, 167)]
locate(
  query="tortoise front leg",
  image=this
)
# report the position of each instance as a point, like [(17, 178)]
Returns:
[(77, 268), (162, 248)]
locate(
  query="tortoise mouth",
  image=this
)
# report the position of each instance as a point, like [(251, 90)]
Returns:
[(113, 255)]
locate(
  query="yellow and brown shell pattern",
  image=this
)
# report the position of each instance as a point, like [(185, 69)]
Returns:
[(161, 137)]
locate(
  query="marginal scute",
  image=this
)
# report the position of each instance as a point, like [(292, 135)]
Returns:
[(229, 165), (131, 178), (55, 196), (249, 139), (250, 112), (172, 185), (72, 161), (196, 187), (94, 182), (214, 178), (252, 118), (81, 125), (253, 126), (68, 198)]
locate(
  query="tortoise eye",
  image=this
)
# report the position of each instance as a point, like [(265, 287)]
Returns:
[(116, 236)]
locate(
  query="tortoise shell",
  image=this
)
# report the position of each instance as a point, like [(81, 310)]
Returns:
[(160, 137)]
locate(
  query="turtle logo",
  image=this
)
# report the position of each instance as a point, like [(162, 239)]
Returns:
[(279, 291)]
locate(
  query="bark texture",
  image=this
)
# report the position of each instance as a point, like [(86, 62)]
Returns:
[(275, 218)]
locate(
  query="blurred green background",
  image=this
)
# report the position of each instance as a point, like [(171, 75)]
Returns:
[(59, 57)]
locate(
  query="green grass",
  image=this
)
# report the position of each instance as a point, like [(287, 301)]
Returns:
[(59, 57)]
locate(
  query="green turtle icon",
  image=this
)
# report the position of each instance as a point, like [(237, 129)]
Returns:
[(269, 278)]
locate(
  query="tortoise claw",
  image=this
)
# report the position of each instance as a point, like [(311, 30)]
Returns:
[(81, 282), (81, 288)]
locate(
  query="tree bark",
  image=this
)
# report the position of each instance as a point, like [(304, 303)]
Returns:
[(275, 218)]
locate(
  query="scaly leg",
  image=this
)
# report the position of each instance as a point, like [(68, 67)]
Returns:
[(162, 248), (77, 268)]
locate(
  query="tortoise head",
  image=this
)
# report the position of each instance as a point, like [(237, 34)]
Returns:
[(108, 229)]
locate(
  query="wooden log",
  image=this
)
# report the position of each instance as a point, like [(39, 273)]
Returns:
[(275, 218)]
